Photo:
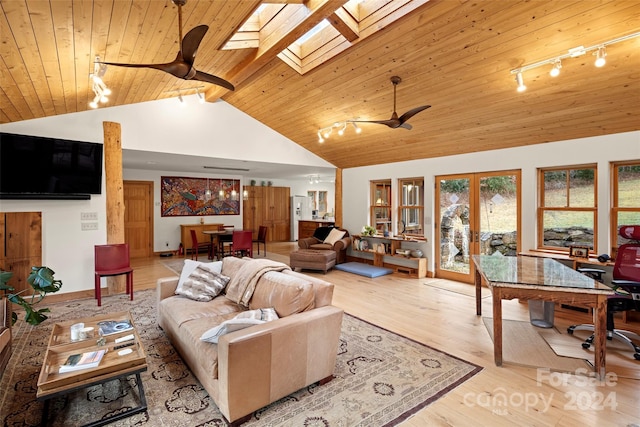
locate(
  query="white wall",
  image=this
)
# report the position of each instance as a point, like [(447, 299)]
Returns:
[(210, 129), (601, 150)]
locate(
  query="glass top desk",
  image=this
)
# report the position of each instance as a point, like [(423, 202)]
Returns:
[(542, 279)]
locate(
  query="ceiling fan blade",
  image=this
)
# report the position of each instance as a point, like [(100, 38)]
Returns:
[(208, 78), (191, 42), (406, 116), (407, 126), (391, 123), (176, 68)]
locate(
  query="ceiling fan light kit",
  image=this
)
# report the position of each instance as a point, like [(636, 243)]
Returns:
[(599, 51), (394, 122)]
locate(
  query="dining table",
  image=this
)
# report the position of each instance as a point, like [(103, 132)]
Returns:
[(217, 239)]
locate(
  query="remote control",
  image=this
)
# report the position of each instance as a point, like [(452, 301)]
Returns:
[(125, 352), (125, 338)]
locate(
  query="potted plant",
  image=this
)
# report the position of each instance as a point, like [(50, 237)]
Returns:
[(42, 281), (368, 230)]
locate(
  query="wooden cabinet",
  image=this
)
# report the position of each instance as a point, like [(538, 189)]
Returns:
[(21, 249), (185, 234), (306, 228), (381, 251), (268, 206)]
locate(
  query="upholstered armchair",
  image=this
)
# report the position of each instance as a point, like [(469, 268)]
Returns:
[(328, 238)]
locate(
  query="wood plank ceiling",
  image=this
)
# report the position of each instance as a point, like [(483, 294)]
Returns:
[(454, 55)]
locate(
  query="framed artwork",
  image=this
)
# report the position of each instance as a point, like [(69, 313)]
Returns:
[(579, 251), (182, 196)]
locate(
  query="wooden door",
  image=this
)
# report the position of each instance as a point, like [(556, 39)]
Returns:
[(138, 218), (253, 210), (277, 215), (22, 246)]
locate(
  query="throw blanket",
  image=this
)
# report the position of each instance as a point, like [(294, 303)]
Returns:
[(243, 283)]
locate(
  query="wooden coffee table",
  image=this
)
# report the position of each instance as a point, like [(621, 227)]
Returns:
[(112, 366)]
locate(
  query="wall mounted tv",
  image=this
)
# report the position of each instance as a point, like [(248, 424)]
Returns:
[(33, 167)]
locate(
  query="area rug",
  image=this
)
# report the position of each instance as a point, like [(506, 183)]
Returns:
[(380, 379), (363, 269), (522, 344)]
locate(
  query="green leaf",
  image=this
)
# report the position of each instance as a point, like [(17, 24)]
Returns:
[(41, 279)]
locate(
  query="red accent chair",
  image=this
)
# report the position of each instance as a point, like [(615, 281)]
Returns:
[(112, 260), (626, 283), (262, 238), (242, 243), (196, 246)]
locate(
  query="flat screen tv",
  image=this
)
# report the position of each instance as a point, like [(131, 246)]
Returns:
[(33, 167)]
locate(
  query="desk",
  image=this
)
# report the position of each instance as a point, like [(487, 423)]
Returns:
[(543, 279), (576, 262), (217, 238)]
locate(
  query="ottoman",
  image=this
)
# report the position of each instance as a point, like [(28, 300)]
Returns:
[(312, 259)]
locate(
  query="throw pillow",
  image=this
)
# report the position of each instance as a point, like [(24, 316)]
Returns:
[(190, 265), (241, 321), (203, 285), (334, 235)]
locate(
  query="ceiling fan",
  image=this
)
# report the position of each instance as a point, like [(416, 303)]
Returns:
[(182, 67), (395, 121)]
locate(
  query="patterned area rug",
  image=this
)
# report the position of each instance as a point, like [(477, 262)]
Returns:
[(380, 379)]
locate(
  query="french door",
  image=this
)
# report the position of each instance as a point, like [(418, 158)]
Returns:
[(477, 213)]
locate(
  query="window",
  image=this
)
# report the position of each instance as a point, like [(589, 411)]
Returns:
[(312, 195), (381, 205), (322, 202), (411, 206), (626, 199), (567, 213)]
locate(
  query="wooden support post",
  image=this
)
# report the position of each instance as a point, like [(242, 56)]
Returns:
[(338, 198), (115, 194)]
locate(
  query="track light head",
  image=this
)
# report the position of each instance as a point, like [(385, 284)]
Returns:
[(520, 81), (601, 53), (200, 96), (555, 71)]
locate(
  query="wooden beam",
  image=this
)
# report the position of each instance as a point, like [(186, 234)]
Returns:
[(115, 193), (338, 197)]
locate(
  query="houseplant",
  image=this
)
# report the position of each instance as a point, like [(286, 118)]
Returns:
[(42, 281), (368, 230)]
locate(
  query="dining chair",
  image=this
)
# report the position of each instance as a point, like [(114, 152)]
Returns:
[(112, 260), (196, 246), (242, 243), (262, 238)]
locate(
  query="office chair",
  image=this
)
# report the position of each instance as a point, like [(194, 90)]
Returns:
[(112, 260), (626, 283), (196, 246), (242, 243), (262, 238)]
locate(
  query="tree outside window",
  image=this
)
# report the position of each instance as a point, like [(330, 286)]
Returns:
[(567, 214), (411, 206)]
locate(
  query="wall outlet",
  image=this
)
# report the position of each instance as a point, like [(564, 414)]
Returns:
[(166, 244)]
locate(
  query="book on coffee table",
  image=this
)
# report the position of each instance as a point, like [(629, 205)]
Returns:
[(76, 362), (110, 327)]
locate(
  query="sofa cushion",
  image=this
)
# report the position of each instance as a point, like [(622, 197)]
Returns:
[(321, 246), (190, 265), (202, 284), (334, 235), (287, 294), (179, 309), (241, 321)]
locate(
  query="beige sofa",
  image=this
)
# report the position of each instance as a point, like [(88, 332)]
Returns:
[(253, 367)]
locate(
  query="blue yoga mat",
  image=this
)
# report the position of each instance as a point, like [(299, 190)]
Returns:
[(363, 269)]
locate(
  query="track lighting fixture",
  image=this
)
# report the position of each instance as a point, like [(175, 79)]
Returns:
[(187, 91), (600, 55), (200, 96), (599, 50), (555, 71), (341, 127), (98, 86), (182, 104), (520, 80)]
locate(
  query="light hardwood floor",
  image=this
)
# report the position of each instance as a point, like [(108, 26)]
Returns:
[(447, 321)]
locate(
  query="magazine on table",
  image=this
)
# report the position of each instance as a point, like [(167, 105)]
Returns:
[(76, 362), (109, 327)]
